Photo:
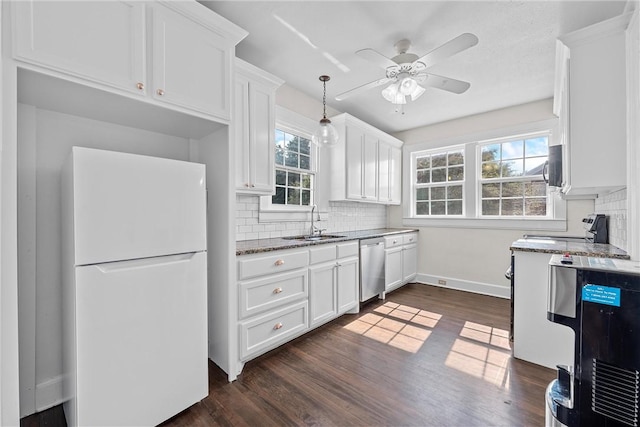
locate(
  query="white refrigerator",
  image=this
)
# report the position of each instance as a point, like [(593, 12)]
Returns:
[(135, 287)]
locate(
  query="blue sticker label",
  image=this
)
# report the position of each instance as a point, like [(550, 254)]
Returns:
[(601, 295)]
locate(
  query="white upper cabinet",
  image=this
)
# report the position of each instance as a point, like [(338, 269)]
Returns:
[(365, 165), (254, 128), (103, 42), (590, 100), (171, 53)]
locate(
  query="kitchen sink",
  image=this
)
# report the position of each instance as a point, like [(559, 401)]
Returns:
[(314, 238)]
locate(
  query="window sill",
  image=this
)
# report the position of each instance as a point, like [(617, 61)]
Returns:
[(489, 223)]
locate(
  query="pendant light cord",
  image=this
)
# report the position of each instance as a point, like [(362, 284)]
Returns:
[(324, 100)]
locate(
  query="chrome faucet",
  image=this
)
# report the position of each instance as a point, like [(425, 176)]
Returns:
[(313, 230)]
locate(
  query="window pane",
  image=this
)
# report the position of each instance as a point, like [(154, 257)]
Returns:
[(438, 160), (294, 144), (293, 179), (438, 193), (454, 207), (281, 177), (512, 168), (306, 181), (306, 197), (423, 177), (278, 198), (305, 146), (535, 207), (279, 156), (305, 162), (536, 147), (491, 190), (491, 152), (512, 150), (534, 165), (422, 208), (291, 160), (454, 192), (279, 138), (536, 188), (490, 207), (512, 207), (491, 170), (438, 208), (456, 158), (293, 196), (439, 175), (456, 173), (423, 163), (512, 189), (422, 194)]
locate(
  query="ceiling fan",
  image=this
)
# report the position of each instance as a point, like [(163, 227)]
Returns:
[(407, 72)]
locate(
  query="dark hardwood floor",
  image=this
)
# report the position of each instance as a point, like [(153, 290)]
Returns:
[(426, 356)]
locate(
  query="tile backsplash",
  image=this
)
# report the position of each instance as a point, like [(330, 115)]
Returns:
[(341, 216), (614, 205)]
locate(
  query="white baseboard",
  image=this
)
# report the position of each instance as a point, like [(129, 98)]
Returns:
[(49, 393), (466, 285)]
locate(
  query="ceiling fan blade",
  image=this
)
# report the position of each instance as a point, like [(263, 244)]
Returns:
[(364, 87), (446, 83), (377, 58), (450, 48)]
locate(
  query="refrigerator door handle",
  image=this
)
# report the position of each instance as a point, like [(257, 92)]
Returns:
[(117, 266)]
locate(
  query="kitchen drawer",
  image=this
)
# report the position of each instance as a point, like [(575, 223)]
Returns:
[(348, 249), (409, 238), (265, 332), (275, 262), (259, 295), (393, 241), (322, 253)]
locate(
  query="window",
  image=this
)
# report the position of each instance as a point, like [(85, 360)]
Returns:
[(511, 179), (439, 182), (294, 177)]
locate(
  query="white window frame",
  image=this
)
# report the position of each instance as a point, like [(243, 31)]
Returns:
[(556, 207), (297, 124)]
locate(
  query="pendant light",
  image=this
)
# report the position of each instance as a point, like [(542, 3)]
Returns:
[(326, 134)]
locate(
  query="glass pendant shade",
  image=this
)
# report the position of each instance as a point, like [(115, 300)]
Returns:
[(326, 134)]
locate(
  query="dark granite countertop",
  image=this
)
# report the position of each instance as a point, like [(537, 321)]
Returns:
[(245, 247), (574, 247)]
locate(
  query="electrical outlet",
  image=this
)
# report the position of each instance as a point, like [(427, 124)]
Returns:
[(442, 282)]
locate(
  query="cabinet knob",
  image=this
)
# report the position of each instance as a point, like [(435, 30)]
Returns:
[(395, 241), (277, 326), (253, 185), (246, 184), (140, 86), (279, 262), (277, 290), (160, 92)]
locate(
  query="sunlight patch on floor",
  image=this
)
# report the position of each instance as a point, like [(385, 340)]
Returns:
[(400, 326), (483, 352)]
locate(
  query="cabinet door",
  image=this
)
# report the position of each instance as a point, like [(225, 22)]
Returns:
[(354, 148), (370, 168), (348, 283), (262, 134), (393, 268), (395, 176), (240, 138), (409, 262), (384, 163), (322, 293), (101, 42), (191, 64)]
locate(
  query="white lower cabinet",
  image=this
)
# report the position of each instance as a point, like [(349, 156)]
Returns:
[(401, 260), (282, 294)]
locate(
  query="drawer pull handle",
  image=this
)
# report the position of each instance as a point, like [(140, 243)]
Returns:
[(277, 326), (277, 290), (279, 262)]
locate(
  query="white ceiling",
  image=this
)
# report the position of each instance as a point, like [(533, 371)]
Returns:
[(512, 64)]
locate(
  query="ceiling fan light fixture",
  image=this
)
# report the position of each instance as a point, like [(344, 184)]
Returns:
[(418, 91), (326, 134), (408, 85)]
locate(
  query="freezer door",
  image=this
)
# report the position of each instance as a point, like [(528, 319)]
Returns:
[(128, 206), (141, 334)]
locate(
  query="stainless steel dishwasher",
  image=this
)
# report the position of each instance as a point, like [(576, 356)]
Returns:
[(371, 268)]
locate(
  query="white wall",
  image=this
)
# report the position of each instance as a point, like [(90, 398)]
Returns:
[(470, 258), (45, 139)]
